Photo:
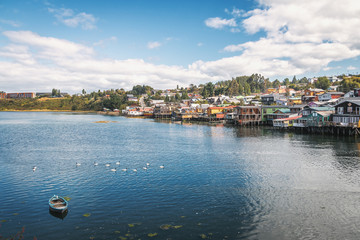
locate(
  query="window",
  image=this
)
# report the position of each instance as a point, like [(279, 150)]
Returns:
[(349, 109), (340, 110), (357, 110)]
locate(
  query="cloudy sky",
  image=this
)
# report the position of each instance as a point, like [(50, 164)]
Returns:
[(75, 45)]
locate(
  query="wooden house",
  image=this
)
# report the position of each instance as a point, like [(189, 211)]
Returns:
[(296, 108), (347, 113), (285, 122), (330, 95), (269, 99), (267, 113), (248, 115), (314, 117), (164, 111), (294, 101)]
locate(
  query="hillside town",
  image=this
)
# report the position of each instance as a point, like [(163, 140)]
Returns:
[(311, 110), (312, 105)]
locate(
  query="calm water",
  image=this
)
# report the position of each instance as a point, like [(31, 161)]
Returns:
[(218, 182)]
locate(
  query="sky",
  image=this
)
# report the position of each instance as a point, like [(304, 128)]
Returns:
[(111, 44)]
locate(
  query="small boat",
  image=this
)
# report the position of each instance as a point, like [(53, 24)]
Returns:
[(58, 204)]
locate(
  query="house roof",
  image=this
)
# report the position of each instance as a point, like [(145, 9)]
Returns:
[(285, 110), (298, 106), (274, 106), (324, 113), (318, 109), (287, 119), (355, 101)]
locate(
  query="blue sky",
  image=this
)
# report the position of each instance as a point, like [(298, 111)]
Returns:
[(94, 45)]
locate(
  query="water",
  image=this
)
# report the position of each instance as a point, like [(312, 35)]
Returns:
[(218, 182)]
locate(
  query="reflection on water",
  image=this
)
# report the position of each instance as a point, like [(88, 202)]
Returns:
[(219, 182), (60, 215)]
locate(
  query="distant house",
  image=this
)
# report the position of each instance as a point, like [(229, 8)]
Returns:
[(296, 108), (333, 79), (44, 94), (2, 95), (357, 92), (269, 99), (347, 113), (294, 101), (282, 101), (330, 95), (154, 102)]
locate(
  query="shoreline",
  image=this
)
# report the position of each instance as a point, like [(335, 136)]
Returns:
[(46, 110)]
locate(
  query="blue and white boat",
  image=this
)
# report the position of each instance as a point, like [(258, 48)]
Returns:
[(58, 204)]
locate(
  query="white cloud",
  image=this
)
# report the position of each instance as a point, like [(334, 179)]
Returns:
[(350, 68), (10, 22), (152, 45), (301, 36), (37, 63), (219, 23), (235, 12), (102, 42), (70, 19), (200, 44)]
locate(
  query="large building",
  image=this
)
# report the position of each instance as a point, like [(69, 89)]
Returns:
[(21, 95)]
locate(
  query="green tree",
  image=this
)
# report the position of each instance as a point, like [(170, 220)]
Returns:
[(286, 82), (304, 80), (241, 89), (233, 89), (276, 83), (247, 89), (323, 83)]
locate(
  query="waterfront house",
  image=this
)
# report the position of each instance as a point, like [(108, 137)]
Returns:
[(347, 113), (215, 113), (314, 117), (285, 122), (164, 111), (149, 112), (2, 95), (268, 111), (184, 113), (248, 115), (279, 114), (229, 114)]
